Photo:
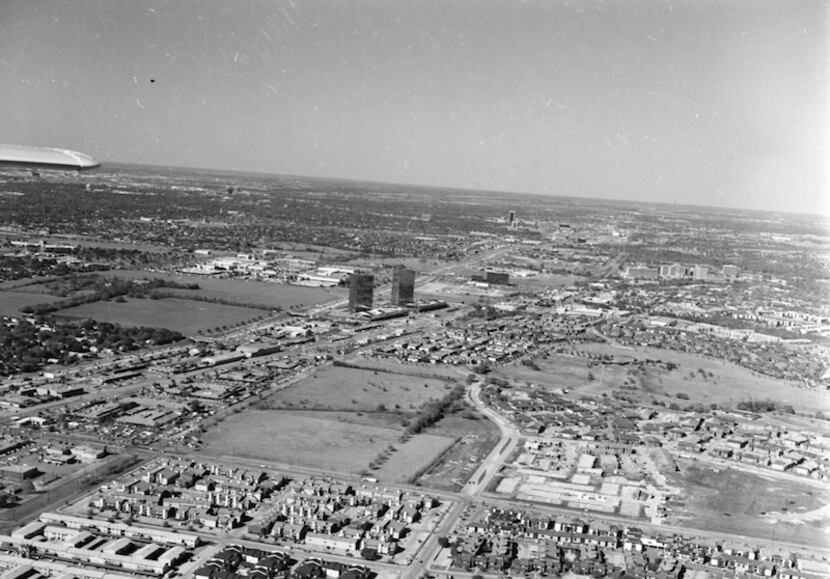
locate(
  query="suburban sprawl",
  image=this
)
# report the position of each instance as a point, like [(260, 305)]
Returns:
[(217, 375)]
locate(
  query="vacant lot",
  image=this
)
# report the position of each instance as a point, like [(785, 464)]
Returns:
[(270, 294), (410, 457), (734, 501), (184, 316), (475, 440), (300, 439), (12, 302), (339, 388)]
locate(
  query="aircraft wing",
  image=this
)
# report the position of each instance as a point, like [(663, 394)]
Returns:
[(45, 158)]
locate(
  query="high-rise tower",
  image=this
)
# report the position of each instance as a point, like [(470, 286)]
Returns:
[(403, 286), (361, 291)]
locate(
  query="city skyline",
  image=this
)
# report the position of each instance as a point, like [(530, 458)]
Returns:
[(714, 103)]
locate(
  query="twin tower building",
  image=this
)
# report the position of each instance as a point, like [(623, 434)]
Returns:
[(362, 289)]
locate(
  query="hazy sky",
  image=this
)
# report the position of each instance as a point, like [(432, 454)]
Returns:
[(706, 102)]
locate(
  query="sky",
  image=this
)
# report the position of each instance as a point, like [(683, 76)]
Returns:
[(706, 102)]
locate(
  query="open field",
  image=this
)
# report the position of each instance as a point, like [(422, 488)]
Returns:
[(734, 501), (727, 385), (412, 456), (555, 371), (184, 316), (544, 281), (339, 388), (242, 291), (299, 439), (476, 438), (12, 302), (432, 371), (326, 440), (721, 383)]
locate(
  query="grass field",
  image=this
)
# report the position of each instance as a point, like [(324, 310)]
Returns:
[(721, 383), (412, 456), (243, 291), (727, 385), (733, 501), (337, 441), (300, 439), (339, 388), (448, 372), (556, 371), (184, 316), (12, 302)]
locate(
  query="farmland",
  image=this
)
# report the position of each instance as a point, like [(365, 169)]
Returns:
[(187, 317)]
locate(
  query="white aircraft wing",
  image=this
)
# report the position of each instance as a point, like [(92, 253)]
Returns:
[(45, 158)]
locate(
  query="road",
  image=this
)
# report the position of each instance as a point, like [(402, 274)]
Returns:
[(491, 465), (477, 484)]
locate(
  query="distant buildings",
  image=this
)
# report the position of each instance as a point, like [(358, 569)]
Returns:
[(511, 219), (700, 272), (403, 286), (497, 278), (361, 291), (678, 271), (641, 272)]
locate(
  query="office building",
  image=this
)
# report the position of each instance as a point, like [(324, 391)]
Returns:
[(403, 286), (497, 278), (361, 291), (511, 218)]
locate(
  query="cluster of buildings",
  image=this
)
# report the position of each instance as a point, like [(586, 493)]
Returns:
[(678, 271), (23, 464), (320, 512), (798, 362), (42, 251), (238, 561), (362, 288), (268, 267), (190, 493), (763, 445), (609, 428), (100, 544), (520, 543), (489, 341), (332, 515), (792, 320)]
